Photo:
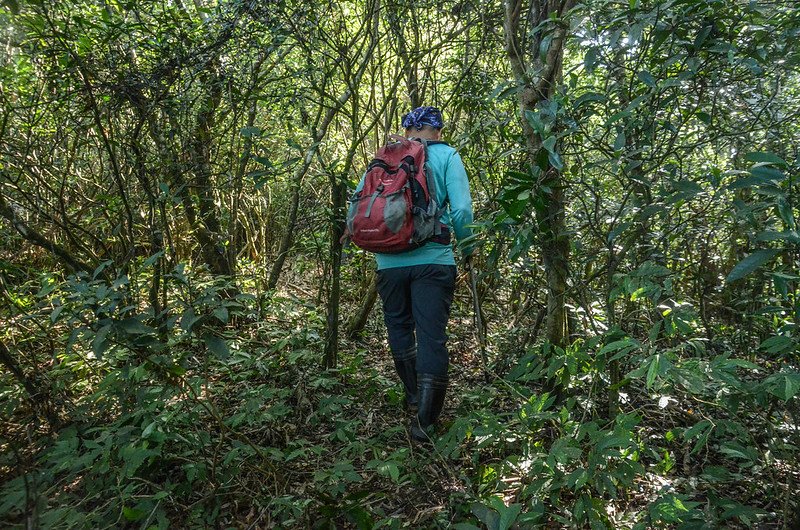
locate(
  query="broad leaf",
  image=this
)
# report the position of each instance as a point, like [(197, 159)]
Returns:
[(750, 264), (217, 346), (777, 344), (647, 78), (189, 319), (134, 326), (784, 385), (768, 158)]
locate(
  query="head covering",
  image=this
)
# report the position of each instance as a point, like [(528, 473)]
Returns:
[(421, 116)]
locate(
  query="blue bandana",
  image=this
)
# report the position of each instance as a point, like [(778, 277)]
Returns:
[(421, 116)]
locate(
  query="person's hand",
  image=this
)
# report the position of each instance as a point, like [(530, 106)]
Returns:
[(345, 237)]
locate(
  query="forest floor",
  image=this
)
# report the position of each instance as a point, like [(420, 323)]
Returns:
[(386, 480), (479, 455), (265, 438), (426, 485)]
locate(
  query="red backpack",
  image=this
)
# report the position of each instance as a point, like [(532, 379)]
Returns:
[(396, 210)]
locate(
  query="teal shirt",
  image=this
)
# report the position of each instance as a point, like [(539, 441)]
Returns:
[(452, 187)]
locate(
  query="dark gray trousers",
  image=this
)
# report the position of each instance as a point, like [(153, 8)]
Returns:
[(417, 300)]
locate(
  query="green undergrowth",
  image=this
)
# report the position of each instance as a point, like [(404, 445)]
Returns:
[(216, 413)]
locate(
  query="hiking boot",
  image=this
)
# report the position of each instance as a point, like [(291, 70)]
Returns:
[(406, 367), (430, 392)]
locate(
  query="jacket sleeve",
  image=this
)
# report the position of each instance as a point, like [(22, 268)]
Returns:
[(461, 215)]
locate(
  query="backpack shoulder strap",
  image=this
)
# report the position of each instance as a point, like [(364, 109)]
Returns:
[(429, 179), (428, 173)]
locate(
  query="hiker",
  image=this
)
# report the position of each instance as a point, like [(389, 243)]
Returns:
[(416, 286)]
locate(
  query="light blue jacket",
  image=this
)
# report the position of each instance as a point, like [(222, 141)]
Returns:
[(452, 189)]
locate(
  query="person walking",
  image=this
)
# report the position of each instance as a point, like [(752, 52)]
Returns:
[(416, 287)]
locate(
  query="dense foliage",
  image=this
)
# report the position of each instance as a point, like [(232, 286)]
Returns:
[(185, 341)]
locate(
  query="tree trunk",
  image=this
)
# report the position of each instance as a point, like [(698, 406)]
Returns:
[(209, 229), (359, 319), (555, 255), (537, 64), (338, 203), (288, 234)]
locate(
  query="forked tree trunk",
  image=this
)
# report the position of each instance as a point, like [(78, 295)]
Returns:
[(338, 184)]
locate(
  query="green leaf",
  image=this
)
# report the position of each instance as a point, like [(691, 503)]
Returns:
[(742, 512), (133, 458), (149, 429), (704, 117), (735, 450), (653, 370), (590, 59), (784, 385), (777, 344), (619, 141), (550, 144), (634, 104), (389, 469), (221, 314), (615, 233), (782, 283), (616, 441), (627, 342), (133, 514), (590, 97), (57, 311), (249, 132), (100, 342), (486, 515), (652, 335), (696, 429), (702, 35), (738, 363), (668, 509), (768, 158), (217, 346), (508, 516), (514, 208), (786, 214), (555, 160), (647, 78), (789, 236), (749, 182), (767, 173), (503, 90), (618, 116), (535, 122), (134, 326), (152, 259), (687, 186), (100, 268), (188, 320), (750, 264)]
